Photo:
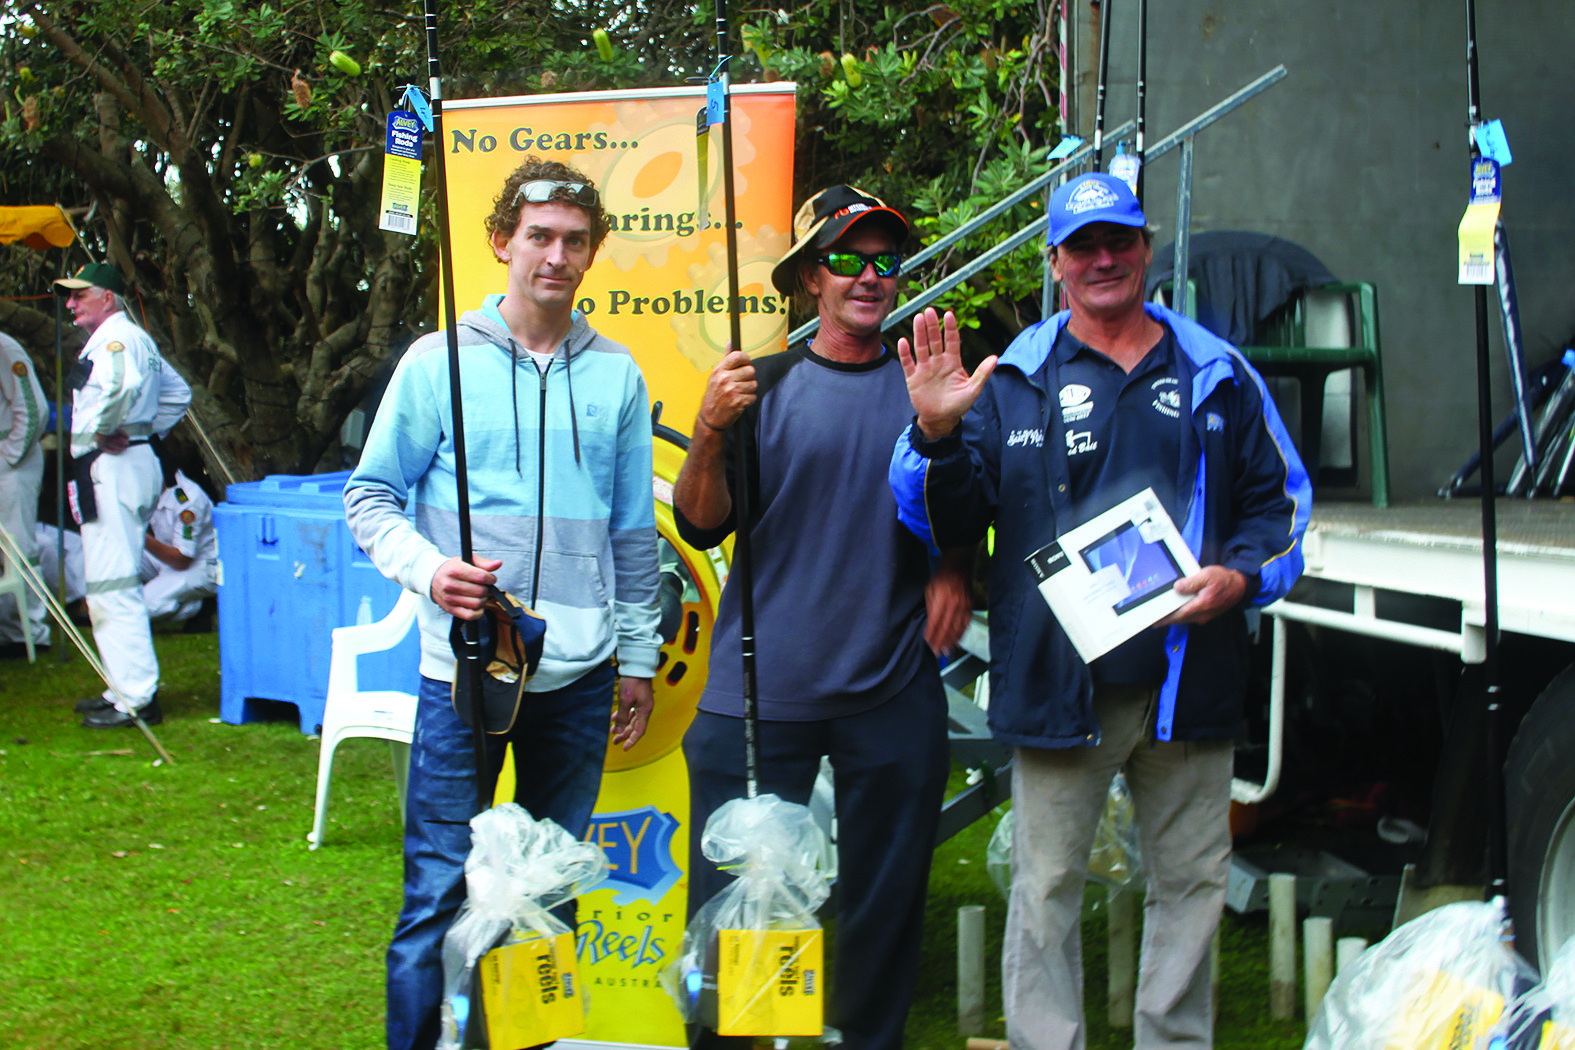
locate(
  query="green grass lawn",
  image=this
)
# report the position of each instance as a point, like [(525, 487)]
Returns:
[(177, 907)]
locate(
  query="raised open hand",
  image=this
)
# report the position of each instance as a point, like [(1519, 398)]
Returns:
[(939, 386)]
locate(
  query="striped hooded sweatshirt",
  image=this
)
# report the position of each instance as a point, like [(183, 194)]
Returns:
[(559, 474)]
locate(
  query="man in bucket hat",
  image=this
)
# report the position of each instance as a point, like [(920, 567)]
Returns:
[(844, 603), (124, 395), (1085, 409)]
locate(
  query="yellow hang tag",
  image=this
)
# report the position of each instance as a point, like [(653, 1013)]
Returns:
[(770, 982), (401, 173), (1476, 227), (530, 992)]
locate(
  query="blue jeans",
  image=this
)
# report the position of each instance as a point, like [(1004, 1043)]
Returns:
[(560, 740)]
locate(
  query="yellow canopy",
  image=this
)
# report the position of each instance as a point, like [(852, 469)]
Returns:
[(39, 226)]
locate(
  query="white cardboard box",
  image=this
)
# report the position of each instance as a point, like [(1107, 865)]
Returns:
[(1113, 576)]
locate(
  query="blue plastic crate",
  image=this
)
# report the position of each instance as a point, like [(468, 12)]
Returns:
[(289, 574)]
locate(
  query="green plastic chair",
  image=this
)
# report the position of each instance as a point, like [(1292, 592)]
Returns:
[(1342, 320)]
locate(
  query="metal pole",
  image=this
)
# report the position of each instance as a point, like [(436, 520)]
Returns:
[(62, 436), (471, 662)]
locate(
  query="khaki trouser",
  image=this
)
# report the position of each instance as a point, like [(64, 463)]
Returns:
[(1181, 799)]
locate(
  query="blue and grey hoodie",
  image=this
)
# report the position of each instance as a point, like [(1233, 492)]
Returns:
[(559, 473)]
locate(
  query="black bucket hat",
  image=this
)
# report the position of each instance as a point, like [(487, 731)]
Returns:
[(511, 642), (825, 217)]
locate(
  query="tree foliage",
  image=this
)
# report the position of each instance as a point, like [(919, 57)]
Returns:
[(217, 151)]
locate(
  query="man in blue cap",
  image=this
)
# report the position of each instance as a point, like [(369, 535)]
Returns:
[(1084, 410)]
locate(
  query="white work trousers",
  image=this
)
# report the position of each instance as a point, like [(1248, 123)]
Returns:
[(126, 487), (176, 593), (19, 487), (1181, 802)]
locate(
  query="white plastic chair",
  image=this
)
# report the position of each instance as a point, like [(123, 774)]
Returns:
[(349, 711), (11, 582)]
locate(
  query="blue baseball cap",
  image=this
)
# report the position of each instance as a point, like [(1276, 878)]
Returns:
[(1095, 197)]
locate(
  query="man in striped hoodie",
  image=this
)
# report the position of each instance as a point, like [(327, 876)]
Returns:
[(558, 443)]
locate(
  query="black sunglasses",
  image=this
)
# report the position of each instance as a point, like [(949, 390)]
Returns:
[(851, 264), (541, 191)]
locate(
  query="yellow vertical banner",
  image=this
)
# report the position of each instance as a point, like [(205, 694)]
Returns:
[(658, 286)]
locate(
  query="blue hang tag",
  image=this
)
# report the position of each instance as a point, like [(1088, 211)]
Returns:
[(1065, 147), (715, 102), (1485, 184), (416, 99), (404, 137), (1494, 144)]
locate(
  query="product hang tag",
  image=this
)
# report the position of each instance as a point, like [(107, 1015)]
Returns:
[(417, 101), (1065, 147), (401, 172), (1493, 144), (703, 167), (1476, 226)]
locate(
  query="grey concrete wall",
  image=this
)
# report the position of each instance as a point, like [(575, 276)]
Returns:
[(1360, 155)]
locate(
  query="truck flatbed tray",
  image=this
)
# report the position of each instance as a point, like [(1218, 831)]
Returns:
[(1435, 550), (1546, 526)]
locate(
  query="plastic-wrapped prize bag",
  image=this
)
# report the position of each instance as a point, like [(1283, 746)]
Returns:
[(1440, 981), (1114, 861), (509, 973), (1544, 1018), (752, 961)]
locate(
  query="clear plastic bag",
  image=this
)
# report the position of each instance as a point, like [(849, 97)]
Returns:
[(518, 868), (1115, 860), (1440, 980), (784, 867), (1544, 1017)]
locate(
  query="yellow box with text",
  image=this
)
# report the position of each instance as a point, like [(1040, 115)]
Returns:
[(530, 992), (770, 982)]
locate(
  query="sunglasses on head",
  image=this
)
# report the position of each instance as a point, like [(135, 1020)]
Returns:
[(851, 264), (540, 191)]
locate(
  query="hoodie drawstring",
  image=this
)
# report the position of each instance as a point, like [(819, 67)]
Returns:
[(514, 401), (574, 417)]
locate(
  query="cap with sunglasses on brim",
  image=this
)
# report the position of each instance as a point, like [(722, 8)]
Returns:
[(93, 275), (827, 216), (1094, 197)]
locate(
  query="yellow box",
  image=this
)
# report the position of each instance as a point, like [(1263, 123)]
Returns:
[(770, 982), (1443, 1013), (530, 992)]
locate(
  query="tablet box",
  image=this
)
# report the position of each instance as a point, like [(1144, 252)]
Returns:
[(1114, 575)]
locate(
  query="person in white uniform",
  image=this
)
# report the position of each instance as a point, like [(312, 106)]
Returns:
[(22, 415), (181, 552), (120, 391)]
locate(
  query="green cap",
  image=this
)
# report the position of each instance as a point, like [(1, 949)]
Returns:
[(94, 275)]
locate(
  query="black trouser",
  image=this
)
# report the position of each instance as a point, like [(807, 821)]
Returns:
[(890, 766)]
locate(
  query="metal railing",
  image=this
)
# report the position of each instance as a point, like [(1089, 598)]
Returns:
[(1182, 137)]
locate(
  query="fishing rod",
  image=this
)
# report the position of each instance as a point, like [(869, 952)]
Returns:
[(1104, 79), (742, 569), (1497, 845), (470, 656), (1142, 93)]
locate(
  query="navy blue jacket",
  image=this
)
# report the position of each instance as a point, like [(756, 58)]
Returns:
[(1247, 501)]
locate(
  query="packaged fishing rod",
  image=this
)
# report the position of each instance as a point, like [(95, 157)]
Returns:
[(753, 958), (510, 978)]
